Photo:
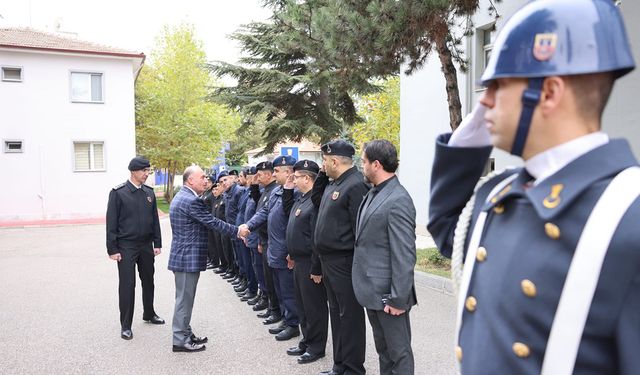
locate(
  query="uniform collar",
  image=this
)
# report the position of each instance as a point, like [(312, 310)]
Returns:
[(344, 175), (132, 187), (556, 192), (551, 161)]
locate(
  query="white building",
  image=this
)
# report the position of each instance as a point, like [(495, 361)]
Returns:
[(424, 112), (68, 124)]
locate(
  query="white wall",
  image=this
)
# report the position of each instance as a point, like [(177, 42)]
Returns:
[(38, 111), (424, 114)]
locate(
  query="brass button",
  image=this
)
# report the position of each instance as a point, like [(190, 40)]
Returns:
[(552, 231), (521, 350), (494, 199), (481, 254), (471, 303), (528, 288), (459, 353), (498, 209)]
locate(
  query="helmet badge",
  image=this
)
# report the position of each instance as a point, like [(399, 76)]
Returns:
[(544, 46)]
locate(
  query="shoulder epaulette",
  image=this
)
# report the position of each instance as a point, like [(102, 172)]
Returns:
[(119, 186), (145, 185)]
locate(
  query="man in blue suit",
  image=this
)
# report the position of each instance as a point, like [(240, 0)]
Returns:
[(190, 220)]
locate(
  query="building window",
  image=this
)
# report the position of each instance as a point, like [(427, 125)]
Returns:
[(88, 156), (12, 146), (86, 87), (11, 74), (484, 46)]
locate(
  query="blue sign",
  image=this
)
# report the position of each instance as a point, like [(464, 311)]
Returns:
[(291, 151)]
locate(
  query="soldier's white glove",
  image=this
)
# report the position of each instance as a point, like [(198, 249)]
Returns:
[(472, 131)]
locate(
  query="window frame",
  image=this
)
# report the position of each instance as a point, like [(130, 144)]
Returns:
[(12, 67), (481, 49), (90, 73), (7, 150), (91, 156)]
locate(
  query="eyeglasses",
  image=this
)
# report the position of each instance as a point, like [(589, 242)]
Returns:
[(298, 176)]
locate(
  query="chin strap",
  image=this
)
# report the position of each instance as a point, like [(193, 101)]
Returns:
[(530, 99)]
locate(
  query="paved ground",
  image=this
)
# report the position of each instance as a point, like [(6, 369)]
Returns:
[(59, 315)]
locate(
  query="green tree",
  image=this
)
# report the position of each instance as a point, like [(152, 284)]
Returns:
[(381, 113), (377, 36), (175, 124), (283, 82)]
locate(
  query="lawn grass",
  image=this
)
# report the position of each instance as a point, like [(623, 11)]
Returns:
[(430, 261), (162, 204)]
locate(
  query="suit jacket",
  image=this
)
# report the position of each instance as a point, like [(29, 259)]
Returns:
[(385, 249), (190, 218)]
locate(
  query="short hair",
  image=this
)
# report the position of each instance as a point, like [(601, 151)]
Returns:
[(310, 174), (344, 160), (384, 152), (188, 172), (592, 92)]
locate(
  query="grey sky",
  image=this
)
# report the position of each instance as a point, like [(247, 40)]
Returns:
[(133, 24)]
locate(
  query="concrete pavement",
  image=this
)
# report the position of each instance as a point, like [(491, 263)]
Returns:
[(59, 314)]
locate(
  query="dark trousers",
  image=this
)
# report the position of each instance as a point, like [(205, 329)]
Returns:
[(142, 255), (212, 252), (392, 336), (219, 250), (256, 260), (274, 305), (347, 316), (238, 257), (283, 282), (227, 248), (244, 254), (312, 308)]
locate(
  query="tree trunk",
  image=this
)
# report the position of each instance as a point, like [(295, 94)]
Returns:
[(451, 78)]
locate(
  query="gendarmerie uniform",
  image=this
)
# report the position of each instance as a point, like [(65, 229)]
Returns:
[(225, 241), (524, 254), (212, 250), (311, 297), (334, 241), (133, 230)]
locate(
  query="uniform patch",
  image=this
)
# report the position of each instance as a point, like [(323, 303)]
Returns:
[(298, 212), (544, 46), (553, 199), (149, 199), (264, 199), (335, 195)]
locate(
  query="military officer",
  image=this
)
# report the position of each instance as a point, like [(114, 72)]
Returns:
[(133, 237), (275, 217), (550, 283), (338, 201), (244, 253), (311, 295)]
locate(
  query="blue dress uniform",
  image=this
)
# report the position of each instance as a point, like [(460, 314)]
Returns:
[(311, 297), (253, 239), (244, 251), (277, 219), (232, 202), (529, 232)]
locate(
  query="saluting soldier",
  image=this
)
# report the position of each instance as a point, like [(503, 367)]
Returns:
[(310, 292), (338, 201), (133, 237), (551, 281)]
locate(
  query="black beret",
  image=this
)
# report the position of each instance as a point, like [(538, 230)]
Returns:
[(138, 163), (264, 166), (222, 174), (338, 147), (233, 172), (212, 177), (307, 165), (252, 170), (284, 160)]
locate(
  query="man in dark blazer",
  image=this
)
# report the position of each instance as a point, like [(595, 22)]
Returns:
[(385, 256), (190, 219)]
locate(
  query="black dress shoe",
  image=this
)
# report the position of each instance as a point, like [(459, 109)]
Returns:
[(126, 334), (281, 327), (288, 333), (198, 340), (308, 358), (189, 347), (210, 266), (254, 300), (261, 305), (241, 287), (296, 350), (272, 319), (331, 372), (220, 270), (236, 281), (154, 320), (229, 275), (248, 296), (264, 314)]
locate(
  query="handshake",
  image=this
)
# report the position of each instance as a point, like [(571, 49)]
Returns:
[(243, 231)]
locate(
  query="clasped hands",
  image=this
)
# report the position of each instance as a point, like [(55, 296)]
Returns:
[(243, 231)]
